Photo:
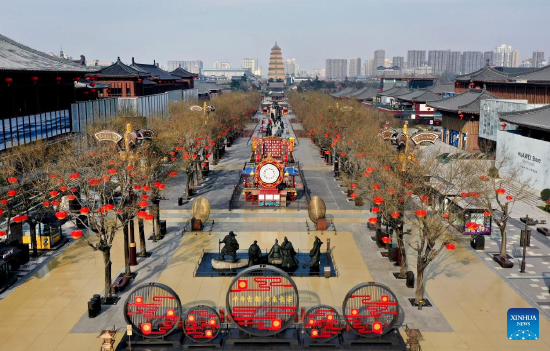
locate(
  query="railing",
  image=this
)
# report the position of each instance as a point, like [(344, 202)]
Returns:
[(306, 189)]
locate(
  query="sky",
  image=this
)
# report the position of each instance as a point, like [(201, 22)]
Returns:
[(308, 30)]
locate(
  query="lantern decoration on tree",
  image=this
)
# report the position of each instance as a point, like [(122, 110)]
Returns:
[(378, 200), (376, 186), (74, 176), (142, 214), (149, 217), (509, 197), (395, 215), (146, 188), (425, 198), (61, 215), (446, 216), (84, 210), (483, 177), (76, 234), (12, 180), (94, 182), (2, 233), (373, 220), (45, 204), (370, 169), (386, 239), (63, 188), (143, 204), (56, 203), (19, 219), (71, 197), (450, 246), (353, 195), (144, 196), (500, 191), (486, 213), (12, 193), (354, 186), (375, 210), (421, 213), (109, 207), (77, 79), (112, 171)]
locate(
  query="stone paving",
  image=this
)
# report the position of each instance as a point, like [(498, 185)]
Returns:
[(470, 297)]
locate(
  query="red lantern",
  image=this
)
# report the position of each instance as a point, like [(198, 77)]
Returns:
[(74, 176), (71, 197), (421, 213), (370, 169), (58, 80), (45, 204), (77, 79), (141, 214), (461, 116), (12, 180), (92, 84), (34, 79), (173, 174), (92, 154), (354, 186), (94, 182), (375, 210), (143, 204), (457, 83), (464, 194), (55, 203), (8, 81), (486, 213), (483, 177), (376, 186), (503, 125), (12, 192), (2, 233), (84, 210), (446, 216), (76, 234), (140, 80), (105, 178), (500, 191), (19, 219), (112, 171), (373, 220), (378, 200), (395, 215), (149, 217), (137, 187), (509, 198), (63, 188), (61, 215), (109, 207), (146, 188), (353, 195), (144, 196), (386, 239), (450, 246), (203, 164)]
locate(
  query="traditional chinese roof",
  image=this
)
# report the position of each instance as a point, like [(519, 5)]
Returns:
[(182, 73), (119, 69), (536, 75), (468, 102), (485, 74), (343, 92), (356, 92), (536, 118), (153, 70), (442, 88), (411, 95), (275, 47), (18, 57), (368, 94)]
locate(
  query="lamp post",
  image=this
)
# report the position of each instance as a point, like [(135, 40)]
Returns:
[(524, 242)]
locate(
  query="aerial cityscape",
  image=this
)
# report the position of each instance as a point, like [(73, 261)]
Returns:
[(297, 175)]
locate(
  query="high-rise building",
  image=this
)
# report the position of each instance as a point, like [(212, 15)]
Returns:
[(221, 65), (379, 58), (354, 67), (472, 61), (369, 69), (291, 67), (438, 60), (538, 59), (416, 58), (190, 66), (251, 64), (506, 56), (276, 69), (336, 68), (489, 58), (455, 62), (398, 61)]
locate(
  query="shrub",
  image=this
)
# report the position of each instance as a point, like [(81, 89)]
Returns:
[(493, 172), (545, 194)]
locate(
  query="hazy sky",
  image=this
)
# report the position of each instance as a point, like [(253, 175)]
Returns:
[(309, 30)]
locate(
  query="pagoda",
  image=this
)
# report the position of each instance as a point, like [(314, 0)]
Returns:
[(276, 69)]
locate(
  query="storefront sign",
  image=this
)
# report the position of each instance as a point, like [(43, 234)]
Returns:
[(421, 137)]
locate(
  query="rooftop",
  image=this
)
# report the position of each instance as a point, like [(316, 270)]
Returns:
[(119, 69), (153, 70), (469, 101), (18, 57), (182, 73), (536, 75), (536, 118), (485, 74)]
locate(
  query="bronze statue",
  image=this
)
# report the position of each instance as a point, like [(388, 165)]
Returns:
[(275, 256), (231, 246), (315, 254), (289, 259), (254, 254)]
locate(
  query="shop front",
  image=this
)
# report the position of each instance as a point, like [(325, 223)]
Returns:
[(49, 234)]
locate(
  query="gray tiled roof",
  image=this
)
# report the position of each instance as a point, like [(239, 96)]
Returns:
[(410, 96), (442, 88), (154, 71), (368, 94), (18, 57), (485, 74), (537, 118), (343, 91), (119, 69), (389, 91), (468, 102), (182, 73), (356, 92), (537, 75)]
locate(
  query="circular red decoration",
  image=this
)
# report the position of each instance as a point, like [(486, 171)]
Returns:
[(269, 173), (421, 213), (76, 234), (201, 323), (386, 239), (262, 301), (322, 323), (153, 310), (371, 309), (450, 247)]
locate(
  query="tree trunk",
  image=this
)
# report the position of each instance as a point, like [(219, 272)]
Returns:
[(419, 293), (106, 250), (402, 252), (195, 174), (503, 240), (142, 248), (32, 225), (127, 271), (156, 221), (187, 184)]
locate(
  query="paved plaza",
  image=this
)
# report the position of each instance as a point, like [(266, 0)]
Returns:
[(469, 293)]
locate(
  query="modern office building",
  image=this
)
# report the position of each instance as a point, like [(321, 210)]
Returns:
[(538, 59), (398, 61), (336, 68), (276, 68), (369, 69), (354, 67), (416, 58), (455, 62), (251, 64), (472, 61), (438, 60), (379, 58), (291, 67)]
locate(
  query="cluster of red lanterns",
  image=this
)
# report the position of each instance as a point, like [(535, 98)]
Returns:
[(421, 213)]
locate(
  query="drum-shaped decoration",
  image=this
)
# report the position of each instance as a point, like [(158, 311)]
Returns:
[(316, 209), (201, 323), (322, 323), (201, 209), (153, 310), (371, 309), (262, 300)]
